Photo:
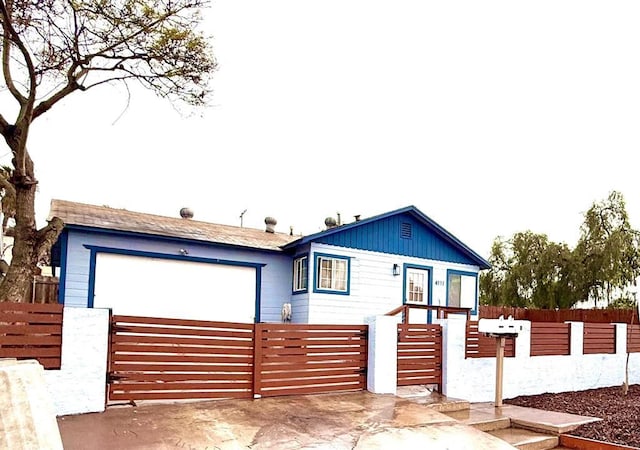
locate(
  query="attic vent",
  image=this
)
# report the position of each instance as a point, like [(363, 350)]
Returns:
[(405, 230)]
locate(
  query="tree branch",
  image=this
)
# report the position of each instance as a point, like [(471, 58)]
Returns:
[(8, 36), (4, 125)]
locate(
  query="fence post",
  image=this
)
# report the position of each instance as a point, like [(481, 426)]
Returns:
[(382, 358), (621, 338), (257, 360), (576, 347), (523, 342)]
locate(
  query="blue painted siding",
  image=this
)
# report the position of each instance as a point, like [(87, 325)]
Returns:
[(275, 276), (384, 236)]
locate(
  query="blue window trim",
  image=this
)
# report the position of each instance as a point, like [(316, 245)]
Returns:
[(316, 255), (64, 241), (429, 269), (293, 271), (121, 251), (474, 311)]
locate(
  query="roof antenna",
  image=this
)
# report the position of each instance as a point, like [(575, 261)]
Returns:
[(242, 217)]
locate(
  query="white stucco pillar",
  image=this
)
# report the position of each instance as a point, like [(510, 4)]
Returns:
[(621, 338), (382, 371), (80, 384), (523, 341), (577, 339), (453, 348)]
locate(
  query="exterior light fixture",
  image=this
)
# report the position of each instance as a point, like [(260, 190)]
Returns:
[(396, 270), (183, 251)]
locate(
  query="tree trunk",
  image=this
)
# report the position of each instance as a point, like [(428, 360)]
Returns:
[(29, 245)]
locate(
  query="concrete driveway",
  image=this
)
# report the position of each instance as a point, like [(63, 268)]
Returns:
[(332, 421)]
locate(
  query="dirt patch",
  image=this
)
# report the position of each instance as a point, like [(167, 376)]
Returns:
[(620, 413)]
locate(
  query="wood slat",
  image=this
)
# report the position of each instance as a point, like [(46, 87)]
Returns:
[(272, 327), (308, 381), (190, 395), (164, 377), (29, 352), (355, 386), (52, 308), (269, 351), (188, 323), (181, 349), (30, 317), (180, 386), (145, 339), (31, 340), (118, 367), (315, 365), (55, 329), (183, 359), (150, 330)]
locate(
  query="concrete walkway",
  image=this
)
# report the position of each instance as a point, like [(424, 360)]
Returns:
[(357, 420)]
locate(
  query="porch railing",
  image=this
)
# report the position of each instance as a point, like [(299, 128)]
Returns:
[(442, 312)]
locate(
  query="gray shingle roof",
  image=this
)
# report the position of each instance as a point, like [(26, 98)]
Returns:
[(108, 218)]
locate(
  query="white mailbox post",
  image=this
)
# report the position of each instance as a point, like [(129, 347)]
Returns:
[(500, 329)]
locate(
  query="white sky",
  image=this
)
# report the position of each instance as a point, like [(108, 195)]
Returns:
[(491, 117)]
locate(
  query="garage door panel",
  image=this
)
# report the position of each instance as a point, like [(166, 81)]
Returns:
[(157, 287)]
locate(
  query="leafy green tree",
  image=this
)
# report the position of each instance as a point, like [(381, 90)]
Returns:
[(608, 251), (529, 271), (50, 49)]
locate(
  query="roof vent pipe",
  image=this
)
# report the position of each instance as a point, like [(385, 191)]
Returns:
[(270, 223), (186, 213)]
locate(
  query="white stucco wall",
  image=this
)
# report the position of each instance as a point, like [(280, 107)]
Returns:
[(79, 386), (473, 379), (374, 290)]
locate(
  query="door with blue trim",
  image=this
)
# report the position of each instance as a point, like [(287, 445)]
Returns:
[(417, 282)]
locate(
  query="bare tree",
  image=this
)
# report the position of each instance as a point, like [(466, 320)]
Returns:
[(53, 48)]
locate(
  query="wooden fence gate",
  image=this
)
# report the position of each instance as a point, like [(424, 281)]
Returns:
[(154, 358), (419, 354), (310, 359)]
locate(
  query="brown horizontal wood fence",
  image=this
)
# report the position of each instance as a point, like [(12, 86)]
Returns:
[(153, 358), (633, 338), (419, 354), (308, 359), (561, 315), (479, 346), (31, 331), (549, 338), (599, 338)]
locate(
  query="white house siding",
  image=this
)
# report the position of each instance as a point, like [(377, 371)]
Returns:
[(276, 277), (374, 290)]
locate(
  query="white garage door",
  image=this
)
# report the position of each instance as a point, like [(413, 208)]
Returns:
[(155, 287)]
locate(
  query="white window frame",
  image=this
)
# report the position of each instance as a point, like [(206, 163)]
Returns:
[(300, 274), (337, 265)]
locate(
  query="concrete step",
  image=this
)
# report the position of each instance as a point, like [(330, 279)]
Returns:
[(525, 439), (481, 420)]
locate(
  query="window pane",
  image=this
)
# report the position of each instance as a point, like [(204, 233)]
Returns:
[(340, 274), (455, 285), (300, 274), (332, 273), (415, 288)]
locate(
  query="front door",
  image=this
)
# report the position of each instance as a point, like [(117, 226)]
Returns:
[(417, 282)]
